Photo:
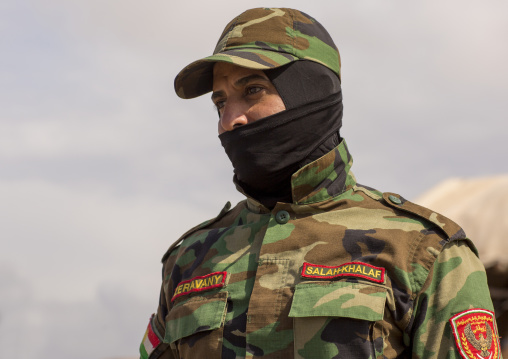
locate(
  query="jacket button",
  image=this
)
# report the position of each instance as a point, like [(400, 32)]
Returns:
[(394, 199), (282, 217)]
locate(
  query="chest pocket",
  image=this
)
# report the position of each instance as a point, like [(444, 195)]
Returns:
[(338, 319), (194, 327)]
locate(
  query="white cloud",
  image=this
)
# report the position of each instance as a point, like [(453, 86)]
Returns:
[(102, 166), (78, 237), (82, 266), (109, 324)]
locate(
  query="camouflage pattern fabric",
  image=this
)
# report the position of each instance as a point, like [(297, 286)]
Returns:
[(262, 38), (343, 272)]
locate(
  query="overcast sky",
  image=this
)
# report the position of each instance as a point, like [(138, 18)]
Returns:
[(102, 166)]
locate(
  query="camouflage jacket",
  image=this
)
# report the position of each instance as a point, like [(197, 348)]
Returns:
[(342, 272)]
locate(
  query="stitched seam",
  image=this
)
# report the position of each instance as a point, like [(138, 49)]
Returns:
[(229, 34), (293, 27), (411, 259)]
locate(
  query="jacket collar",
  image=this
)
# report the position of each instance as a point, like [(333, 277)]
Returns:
[(325, 178), (318, 181)]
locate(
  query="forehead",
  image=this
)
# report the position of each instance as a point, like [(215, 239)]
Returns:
[(223, 71)]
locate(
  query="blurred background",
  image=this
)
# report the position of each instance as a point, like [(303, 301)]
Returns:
[(102, 166)]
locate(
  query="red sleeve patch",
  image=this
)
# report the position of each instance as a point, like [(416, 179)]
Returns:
[(476, 336)]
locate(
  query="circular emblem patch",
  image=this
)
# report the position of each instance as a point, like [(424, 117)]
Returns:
[(476, 336)]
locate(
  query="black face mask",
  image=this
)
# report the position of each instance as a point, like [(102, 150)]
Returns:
[(265, 153)]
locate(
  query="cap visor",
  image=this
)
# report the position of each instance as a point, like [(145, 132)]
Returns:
[(196, 79)]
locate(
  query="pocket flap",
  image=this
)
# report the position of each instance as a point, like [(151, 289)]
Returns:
[(197, 314), (339, 299)]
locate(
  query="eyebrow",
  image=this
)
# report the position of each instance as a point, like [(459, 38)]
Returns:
[(239, 83)]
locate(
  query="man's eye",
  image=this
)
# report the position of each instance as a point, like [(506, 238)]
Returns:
[(252, 90), (220, 104)]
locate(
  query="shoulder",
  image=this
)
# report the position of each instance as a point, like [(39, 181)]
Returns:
[(422, 234), (448, 229), (224, 214)]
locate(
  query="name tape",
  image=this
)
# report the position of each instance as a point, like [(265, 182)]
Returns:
[(198, 284), (352, 269)]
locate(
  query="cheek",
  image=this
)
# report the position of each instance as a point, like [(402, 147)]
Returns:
[(271, 107), (279, 106)]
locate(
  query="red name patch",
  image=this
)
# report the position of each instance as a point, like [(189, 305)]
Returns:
[(475, 333), (352, 269), (198, 284)]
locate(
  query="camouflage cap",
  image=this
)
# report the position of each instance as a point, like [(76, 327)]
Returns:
[(262, 38)]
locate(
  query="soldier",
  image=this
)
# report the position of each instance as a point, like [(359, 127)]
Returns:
[(311, 264)]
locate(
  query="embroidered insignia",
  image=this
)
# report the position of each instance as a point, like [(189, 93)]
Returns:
[(198, 284), (475, 332), (150, 341), (352, 269)]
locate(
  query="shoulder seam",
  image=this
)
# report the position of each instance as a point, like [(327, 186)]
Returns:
[(222, 213), (451, 230), (367, 192)]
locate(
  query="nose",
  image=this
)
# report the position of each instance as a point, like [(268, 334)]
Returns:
[(233, 115)]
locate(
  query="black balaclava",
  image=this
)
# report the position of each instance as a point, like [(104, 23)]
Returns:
[(265, 153)]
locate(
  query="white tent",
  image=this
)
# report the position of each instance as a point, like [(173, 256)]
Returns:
[(480, 207)]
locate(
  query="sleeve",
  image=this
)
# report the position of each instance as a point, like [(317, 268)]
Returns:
[(153, 346), (455, 288)]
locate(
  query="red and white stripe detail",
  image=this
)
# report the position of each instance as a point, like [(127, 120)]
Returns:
[(150, 341)]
